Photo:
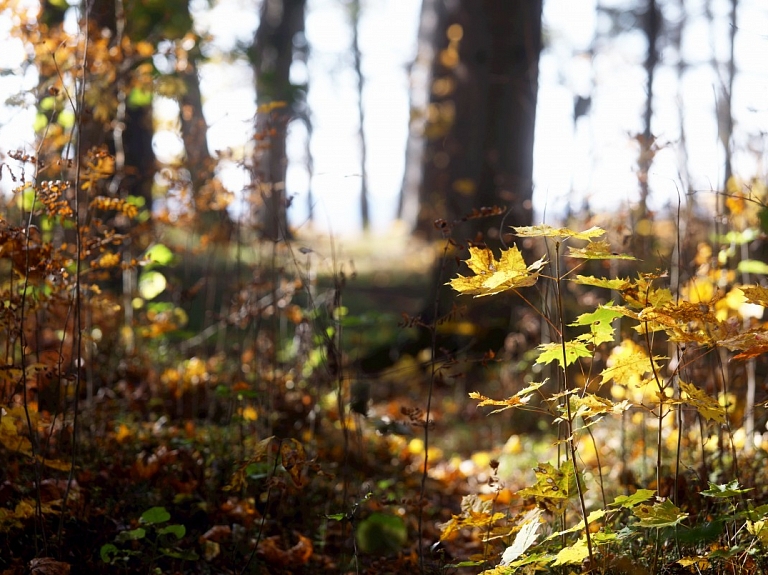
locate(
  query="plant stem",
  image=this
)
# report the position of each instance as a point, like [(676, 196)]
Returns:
[(433, 376), (571, 440)]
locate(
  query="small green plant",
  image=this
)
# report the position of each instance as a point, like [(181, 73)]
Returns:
[(162, 540)]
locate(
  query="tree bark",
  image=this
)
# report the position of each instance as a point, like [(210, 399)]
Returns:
[(479, 150), (421, 81), (272, 55)]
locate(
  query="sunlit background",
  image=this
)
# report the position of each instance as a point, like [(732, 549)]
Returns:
[(586, 161)]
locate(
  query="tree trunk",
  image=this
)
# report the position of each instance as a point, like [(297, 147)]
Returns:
[(365, 215), (272, 55), (479, 150), (194, 129), (421, 80)]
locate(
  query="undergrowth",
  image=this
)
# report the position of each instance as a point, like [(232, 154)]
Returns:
[(181, 395), (664, 362)]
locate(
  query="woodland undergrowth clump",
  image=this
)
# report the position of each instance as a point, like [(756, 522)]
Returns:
[(658, 455)]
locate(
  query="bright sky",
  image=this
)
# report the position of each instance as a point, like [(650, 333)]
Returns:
[(593, 160)]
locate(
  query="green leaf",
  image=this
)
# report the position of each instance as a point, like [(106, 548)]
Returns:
[(664, 514), (66, 119), (336, 516), (752, 267), (159, 254), (600, 323), (139, 98), (151, 284), (108, 552), (381, 534), (41, 121), (183, 554), (575, 553), (132, 535), (177, 531), (699, 534), (554, 352), (593, 516), (155, 515), (466, 564), (534, 558), (730, 489), (629, 501), (738, 238), (553, 486)]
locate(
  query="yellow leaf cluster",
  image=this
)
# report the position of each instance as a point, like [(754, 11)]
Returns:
[(494, 276)]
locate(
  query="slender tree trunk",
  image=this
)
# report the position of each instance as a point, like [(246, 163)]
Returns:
[(421, 81), (724, 112), (647, 149), (194, 129), (364, 200)]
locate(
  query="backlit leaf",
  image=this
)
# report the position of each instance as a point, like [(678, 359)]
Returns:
[(752, 267), (508, 403), (547, 231), (707, 406), (520, 398), (700, 561), (590, 405), (524, 538), (598, 250), (495, 276), (664, 514), (730, 489), (593, 516), (600, 323), (553, 486), (759, 529), (629, 501), (152, 284), (575, 553), (159, 254), (612, 284), (627, 364), (756, 294), (554, 352)]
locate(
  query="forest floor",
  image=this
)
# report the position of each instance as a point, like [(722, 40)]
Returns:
[(180, 465)]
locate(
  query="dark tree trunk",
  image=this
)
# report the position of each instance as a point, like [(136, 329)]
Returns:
[(272, 55), (129, 137), (421, 81), (194, 129), (481, 117)]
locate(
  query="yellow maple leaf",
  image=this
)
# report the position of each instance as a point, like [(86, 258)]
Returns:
[(494, 276), (707, 406), (627, 364), (547, 231), (597, 250), (756, 295)]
